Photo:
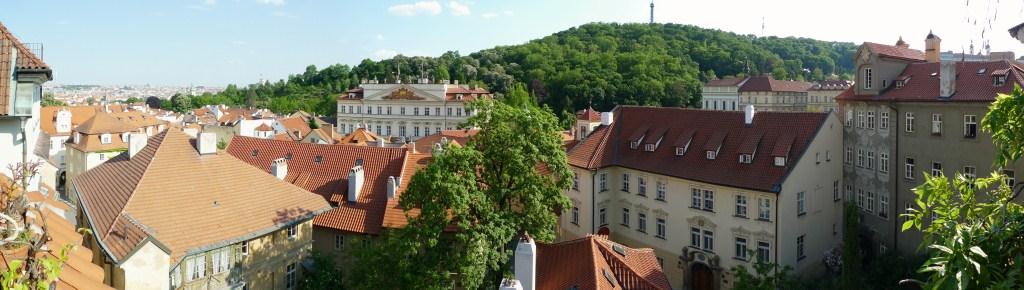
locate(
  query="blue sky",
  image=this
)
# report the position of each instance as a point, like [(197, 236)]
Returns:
[(215, 42)]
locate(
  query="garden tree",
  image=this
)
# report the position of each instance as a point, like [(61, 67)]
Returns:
[(132, 100), (518, 97), (325, 274), (153, 102), (766, 276), (50, 100), (971, 227), (180, 103), (851, 277), (507, 180)]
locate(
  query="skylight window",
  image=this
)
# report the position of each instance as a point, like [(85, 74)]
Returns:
[(255, 152), (318, 159)]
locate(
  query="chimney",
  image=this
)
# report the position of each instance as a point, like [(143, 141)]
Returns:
[(207, 143), (607, 118), (412, 147), (947, 79), (63, 122), (748, 115), (932, 50), (136, 141), (355, 182), (279, 168), (392, 187), (526, 262)]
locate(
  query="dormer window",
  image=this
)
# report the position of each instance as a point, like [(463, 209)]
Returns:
[(711, 155), (634, 144), (780, 161), (746, 158), (318, 159), (105, 139), (868, 75), (351, 95), (680, 151), (900, 84), (649, 147), (999, 80), (124, 137), (458, 96)]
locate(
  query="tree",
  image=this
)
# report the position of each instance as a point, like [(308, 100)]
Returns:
[(766, 276), (50, 100), (507, 180), (132, 100), (976, 244), (518, 97), (153, 102), (181, 103), (850, 278), (325, 274)]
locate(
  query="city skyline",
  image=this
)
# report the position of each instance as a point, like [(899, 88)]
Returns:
[(215, 43)]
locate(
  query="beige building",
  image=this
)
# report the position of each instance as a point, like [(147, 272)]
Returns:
[(723, 94), (173, 213), (768, 94), (821, 97), (406, 110), (702, 188)]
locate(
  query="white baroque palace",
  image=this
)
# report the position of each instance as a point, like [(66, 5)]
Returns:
[(406, 110)]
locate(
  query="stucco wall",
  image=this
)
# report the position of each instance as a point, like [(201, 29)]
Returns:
[(146, 269)]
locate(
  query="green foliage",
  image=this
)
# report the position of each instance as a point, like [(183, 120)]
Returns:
[(518, 97), (221, 145), (766, 276), (491, 190), (325, 274), (1005, 123), (312, 123), (50, 100), (132, 100), (852, 255)]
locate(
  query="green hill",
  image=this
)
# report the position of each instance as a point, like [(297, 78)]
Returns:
[(599, 64)]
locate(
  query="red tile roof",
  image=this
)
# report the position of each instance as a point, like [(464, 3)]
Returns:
[(726, 82), (896, 52), (457, 137), (329, 177), (296, 124), (26, 60), (922, 86), (608, 145), (768, 84), (583, 264), (589, 114)]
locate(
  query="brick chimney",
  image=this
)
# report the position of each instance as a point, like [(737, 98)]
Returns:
[(932, 50)]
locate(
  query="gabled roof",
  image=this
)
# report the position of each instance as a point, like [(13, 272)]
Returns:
[(589, 114), (26, 60), (360, 136), (104, 123), (726, 82), (48, 116), (768, 84), (896, 52), (185, 202), (974, 83), (609, 146), (583, 264), (329, 177), (264, 127), (295, 124)]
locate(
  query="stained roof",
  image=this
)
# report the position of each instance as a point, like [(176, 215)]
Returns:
[(48, 116), (130, 200), (26, 60), (726, 82), (609, 146), (582, 263), (457, 137), (896, 52), (974, 83), (768, 84)]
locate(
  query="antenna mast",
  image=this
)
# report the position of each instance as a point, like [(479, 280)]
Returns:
[(652, 11)]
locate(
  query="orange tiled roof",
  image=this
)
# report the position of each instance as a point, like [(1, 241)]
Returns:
[(583, 263), (896, 52), (360, 136), (264, 127), (26, 60), (79, 114), (104, 123), (589, 114), (296, 124), (128, 201), (456, 137)]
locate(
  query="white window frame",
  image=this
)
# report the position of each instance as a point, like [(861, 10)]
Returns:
[(869, 205), (883, 162), (603, 216), (936, 168), (764, 209), (625, 182), (641, 222), (293, 231), (290, 278), (936, 124), (603, 182), (105, 138), (660, 195), (801, 203), (883, 205), (641, 186), (883, 119), (764, 251), (869, 159), (871, 120), (244, 248), (909, 123), (625, 217), (575, 216), (908, 167), (660, 229), (800, 252), (741, 248), (868, 77), (339, 242), (970, 126), (741, 205)]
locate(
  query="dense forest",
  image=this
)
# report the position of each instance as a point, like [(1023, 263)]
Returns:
[(598, 64)]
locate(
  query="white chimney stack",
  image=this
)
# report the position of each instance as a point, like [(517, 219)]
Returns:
[(607, 118), (526, 263), (136, 141), (207, 143), (947, 79), (748, 115), (392, 187), (63, 122), (279, 168), (355, 182)]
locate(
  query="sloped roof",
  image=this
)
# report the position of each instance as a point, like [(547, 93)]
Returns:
[(583, 263), (128, 201), (26, 60), (48, 115), (609, 146), (329, 177), (896, 52), (294, 124), (726, 82), (457, 137), (264, 127), (104, 123), (360, 136), (588, 114), (768, 84), (971, 86)]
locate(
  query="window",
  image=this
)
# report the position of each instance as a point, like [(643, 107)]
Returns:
[(907, 211), (660, 230), (883, 119), (870, 205), (602, 217), (575, 216), (763, 251), (860, 198), (197, 267), (695, 237), (415, 111), (641, 185), (426, 111), (883, 205), (746, 158), (649, 147), (449, 111), (849, 118), (625, 182), (176, 277), (437, 111), (124, 137), (458, 112), (868, 77), (910, 122), (339, 242), (641, 225), (709, 200), (369, 110), (848, 156), (293, 231), (741, 205), (909, 169), (800, 248), (936, 124), (860, 120), (709, 240), (860, 157), (999, 80), (849, 192), (625, 217), (389, 110), (401, 131), (103, 156), (741, 248), (711, 155), (244, 248), (604, 182), (870, 161), (289, 277), (883, 162), (661, 191), (970, 126), (221, 260), (936, 168), (970, 172), (764, 211), (871, 120), (1010, 179), (801, 203), (680, 151), (779, 161), (695, 198), (416, 131), (575, 181), (401, 111), (105, 138), (835, 190)]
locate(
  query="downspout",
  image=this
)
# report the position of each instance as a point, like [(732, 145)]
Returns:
[(895, 185), (593, 203), (24, 156), (778, 246)]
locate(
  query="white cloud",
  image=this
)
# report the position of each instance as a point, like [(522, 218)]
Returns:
[(379, 37), (385, 53), (458, 9), (271, 2), (422, 7)]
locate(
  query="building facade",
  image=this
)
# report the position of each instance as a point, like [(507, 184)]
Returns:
[(410, 111), (22, 75), (822, 96), (703, 187), (723, 94)]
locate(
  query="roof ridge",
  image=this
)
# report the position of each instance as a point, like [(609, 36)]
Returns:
[(159, 140)]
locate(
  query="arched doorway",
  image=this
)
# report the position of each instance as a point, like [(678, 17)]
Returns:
[(701, 277)]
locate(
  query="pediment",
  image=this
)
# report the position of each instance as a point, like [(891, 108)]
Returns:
[(403, 92)]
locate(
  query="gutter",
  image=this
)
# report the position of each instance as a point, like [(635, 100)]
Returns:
[(593, 203), (895, 185)]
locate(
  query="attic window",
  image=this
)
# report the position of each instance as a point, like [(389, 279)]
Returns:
[(680, 151), (711, 155), (780, 161), (746, 158), (458, 96), (318, 159), (351, 95), (934, 74), (999, 80), (900, 84), (649, 147), (981, 71), (618, 249), (105, 138), (255, 152)]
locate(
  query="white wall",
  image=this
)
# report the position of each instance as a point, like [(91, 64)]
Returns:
[(147, 269), (248, 127)]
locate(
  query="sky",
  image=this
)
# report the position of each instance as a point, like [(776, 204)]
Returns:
[(217, 42)]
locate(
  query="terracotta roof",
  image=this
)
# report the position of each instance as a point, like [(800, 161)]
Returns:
[(589, 114), (972, 84), (831, 85), (48, 116), (726, 82), (456, 137), (264, 127), (329, 177), (584, 264), (896, 52), (768, 84), (137, 119), (103, 122), (360, 136), (608, 145), (127, 201), (467, 93), (26, 60), (295, 124)]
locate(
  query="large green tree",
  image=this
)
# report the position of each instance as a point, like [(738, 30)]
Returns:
[(473, 202)]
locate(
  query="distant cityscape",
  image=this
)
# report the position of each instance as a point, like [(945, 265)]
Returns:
[(76, 94)]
